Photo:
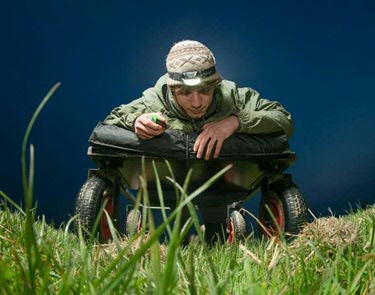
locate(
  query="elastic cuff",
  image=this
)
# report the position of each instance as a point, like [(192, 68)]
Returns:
[(239, 123), (135, 119)]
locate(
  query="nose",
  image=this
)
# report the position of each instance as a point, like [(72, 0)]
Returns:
[(195, 100)]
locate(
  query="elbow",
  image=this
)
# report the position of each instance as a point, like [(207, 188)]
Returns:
[(289, 132), (289, 128)]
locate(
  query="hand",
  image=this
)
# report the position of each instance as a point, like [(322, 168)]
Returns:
[(145, 128), (215, 133)]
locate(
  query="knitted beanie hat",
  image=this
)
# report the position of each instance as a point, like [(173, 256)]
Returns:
[(190, 63)]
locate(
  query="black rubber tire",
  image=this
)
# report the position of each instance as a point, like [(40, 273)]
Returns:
[(239, 224), (133, 222), (88, 203), (288, 207)]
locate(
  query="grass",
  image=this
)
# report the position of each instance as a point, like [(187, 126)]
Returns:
[(334, 255), (65, 264)]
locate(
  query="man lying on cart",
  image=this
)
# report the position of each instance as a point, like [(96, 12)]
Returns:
[(192, 96)]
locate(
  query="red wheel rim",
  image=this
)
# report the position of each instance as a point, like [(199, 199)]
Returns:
[(105, 232), (230, 238), (278, 213), (276, 223)]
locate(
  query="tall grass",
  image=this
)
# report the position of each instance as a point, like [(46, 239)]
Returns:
[(38, 259), (143, 265)]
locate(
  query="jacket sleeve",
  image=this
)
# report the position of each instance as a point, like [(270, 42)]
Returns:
[(125, 115), (258, 115)]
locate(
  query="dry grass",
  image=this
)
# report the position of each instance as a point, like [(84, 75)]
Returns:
[(112, 250), (329, 231), (332, 231)]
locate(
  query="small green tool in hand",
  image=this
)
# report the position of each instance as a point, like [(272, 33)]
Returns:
[(156, 120)]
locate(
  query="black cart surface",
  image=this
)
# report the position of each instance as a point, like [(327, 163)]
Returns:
[(257, 163)]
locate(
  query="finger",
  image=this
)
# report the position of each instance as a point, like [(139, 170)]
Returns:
[(157, 119), (153, 132), (146, 132), (210, 146), (219, 144), (152, 126), (142, 135), (162, 118), (151, 129), (196, 144), (201, 147), (145, 122)]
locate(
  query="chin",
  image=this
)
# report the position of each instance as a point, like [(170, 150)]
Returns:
[(196, 116)]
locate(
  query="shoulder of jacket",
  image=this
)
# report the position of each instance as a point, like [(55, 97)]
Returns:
[(157, 89), (227, 89), (161, 82), (230, 85), (226, 84)]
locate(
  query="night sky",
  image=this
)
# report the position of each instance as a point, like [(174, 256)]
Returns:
[(315, 57)]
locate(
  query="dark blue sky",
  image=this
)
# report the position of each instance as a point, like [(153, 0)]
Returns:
[(315, 57)]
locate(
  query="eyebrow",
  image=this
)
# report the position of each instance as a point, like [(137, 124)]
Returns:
[(198, 89)]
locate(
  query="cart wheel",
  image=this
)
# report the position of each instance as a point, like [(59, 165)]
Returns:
[(133, 222), (236, 226), (288, 208), (88, 203)]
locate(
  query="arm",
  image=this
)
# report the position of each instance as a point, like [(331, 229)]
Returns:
[(213, 135), (259, 116), (137, 115), (125, 115), (251, 114)]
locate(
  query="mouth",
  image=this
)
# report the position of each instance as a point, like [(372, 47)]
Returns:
[(197, 112)]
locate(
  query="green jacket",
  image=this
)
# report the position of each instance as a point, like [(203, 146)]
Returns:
[(256, 115)]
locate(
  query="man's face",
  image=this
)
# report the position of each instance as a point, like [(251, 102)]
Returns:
[(195, 103)]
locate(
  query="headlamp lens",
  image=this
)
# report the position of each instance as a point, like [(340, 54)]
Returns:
[(192, 82)]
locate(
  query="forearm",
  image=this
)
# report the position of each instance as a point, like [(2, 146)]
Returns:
[(264, 122), (126, 114), (259, 116)]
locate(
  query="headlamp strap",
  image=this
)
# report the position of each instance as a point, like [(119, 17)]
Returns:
[(192, 74)]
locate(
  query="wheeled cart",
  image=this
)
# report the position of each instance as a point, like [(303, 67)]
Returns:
[(258, 164)]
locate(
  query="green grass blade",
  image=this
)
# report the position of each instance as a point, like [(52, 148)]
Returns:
[(9, 200), (140, 252), (33, 256), (204, 186), (154, 247), (161, 197), (113, 231), (190, 206), (28, 202), (172, 176)]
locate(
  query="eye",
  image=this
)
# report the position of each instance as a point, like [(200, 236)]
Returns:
[(204, 90), (183, 91)]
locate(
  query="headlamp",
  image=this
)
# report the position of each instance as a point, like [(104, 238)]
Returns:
[(192, 78)]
